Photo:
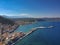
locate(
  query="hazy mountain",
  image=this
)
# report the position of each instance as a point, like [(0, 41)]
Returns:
[(4, 20), (14, 16)]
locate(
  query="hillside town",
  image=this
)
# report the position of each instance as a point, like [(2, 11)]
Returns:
[(7, 34)]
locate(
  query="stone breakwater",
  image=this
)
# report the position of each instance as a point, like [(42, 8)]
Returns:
[(32, 30)]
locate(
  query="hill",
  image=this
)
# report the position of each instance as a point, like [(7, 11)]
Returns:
[(4, 20)]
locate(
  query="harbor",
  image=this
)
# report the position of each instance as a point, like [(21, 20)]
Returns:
[(31, 31), (10, 37)]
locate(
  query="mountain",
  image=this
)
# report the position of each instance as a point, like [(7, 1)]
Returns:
[(4, 20), (15, 16)]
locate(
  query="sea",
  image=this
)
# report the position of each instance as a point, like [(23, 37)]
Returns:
[(47, 36)]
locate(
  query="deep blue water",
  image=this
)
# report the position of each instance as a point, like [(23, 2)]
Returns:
[(41, 36)]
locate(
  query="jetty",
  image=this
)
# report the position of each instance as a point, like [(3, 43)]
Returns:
[(31, 31), (43, 27)]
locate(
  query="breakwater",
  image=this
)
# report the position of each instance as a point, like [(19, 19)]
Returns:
[(32, 30)]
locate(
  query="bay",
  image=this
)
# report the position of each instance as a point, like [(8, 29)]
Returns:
[(46, 36)]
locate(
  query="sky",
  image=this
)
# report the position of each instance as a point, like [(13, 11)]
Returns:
[(30, 8)]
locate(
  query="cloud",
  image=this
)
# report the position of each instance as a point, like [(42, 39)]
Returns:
[(25, 15)]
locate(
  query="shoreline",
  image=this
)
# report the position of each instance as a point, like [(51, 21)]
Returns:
[(28, 33), (12, 31), (32, 30)]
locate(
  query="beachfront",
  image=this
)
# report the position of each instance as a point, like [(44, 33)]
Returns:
[(7, 34), (5, 31)]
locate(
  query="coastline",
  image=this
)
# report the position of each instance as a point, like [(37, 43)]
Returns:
[(32, 30), (14, 29), (12, 33), (28, 33)]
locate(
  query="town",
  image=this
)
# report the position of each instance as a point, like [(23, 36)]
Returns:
[(7, 34)]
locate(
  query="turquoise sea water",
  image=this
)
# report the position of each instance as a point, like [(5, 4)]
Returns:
[(41, 36)]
